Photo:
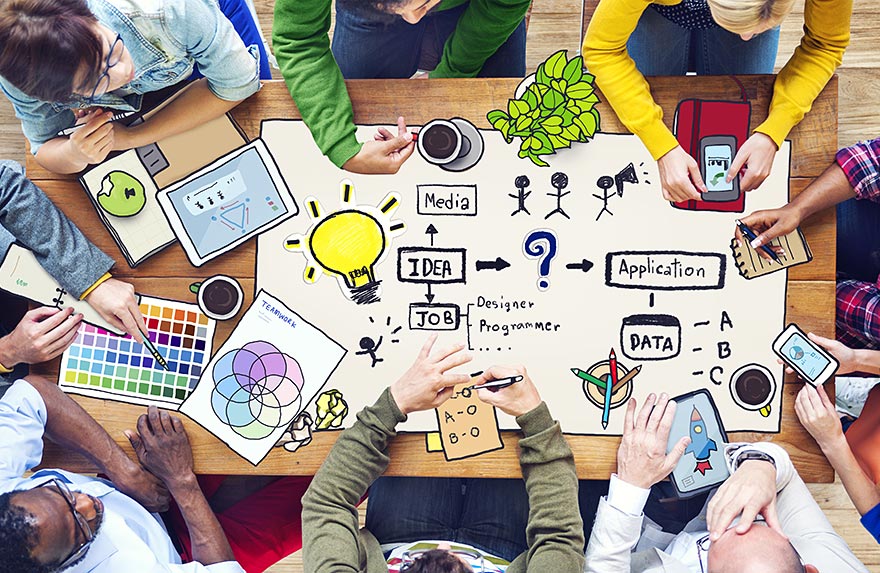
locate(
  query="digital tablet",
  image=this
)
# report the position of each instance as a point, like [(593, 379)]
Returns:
[(703, 465), (227, 202)]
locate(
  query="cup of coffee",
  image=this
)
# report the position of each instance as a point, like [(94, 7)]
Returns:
[(219, 297), (440, 142), (752, 388)]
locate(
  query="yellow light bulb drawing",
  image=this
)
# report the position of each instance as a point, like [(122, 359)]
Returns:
[(348, 243)]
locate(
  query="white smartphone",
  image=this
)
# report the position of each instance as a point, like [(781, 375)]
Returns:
[(809, 360)]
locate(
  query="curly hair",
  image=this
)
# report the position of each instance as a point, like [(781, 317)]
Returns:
[(437, 561), (18, 536)]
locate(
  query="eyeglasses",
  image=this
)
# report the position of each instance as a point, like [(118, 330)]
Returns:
[(475, 560), (81, 523), (113, 57), (703, 545)]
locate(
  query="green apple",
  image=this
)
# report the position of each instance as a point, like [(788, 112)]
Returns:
[(121, 194)]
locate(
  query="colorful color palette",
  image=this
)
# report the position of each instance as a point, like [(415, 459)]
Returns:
[(103, 365)]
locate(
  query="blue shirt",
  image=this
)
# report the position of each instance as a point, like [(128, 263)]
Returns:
[(871, 522), (130, 539), (165, 39)]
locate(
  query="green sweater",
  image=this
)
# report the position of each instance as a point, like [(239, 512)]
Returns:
[(302, 47), (332, 542)]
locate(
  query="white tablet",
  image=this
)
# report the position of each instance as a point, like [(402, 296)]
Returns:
[(222, 205)]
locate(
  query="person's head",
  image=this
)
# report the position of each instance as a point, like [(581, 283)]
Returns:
[(759, 550), (749, 18), (52, 49), (440, 560), (47, 528), (410, 10)]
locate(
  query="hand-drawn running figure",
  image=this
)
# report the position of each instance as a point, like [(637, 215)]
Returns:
[(369, 347), (605, 183), (559, 181), (521, 183)]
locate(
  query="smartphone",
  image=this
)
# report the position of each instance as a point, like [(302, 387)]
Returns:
[(716, 155), (809, 360)]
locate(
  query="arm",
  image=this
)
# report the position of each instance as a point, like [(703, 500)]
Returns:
[(483, 27), (826, 36)]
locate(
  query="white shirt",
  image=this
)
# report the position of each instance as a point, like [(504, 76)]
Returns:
[(130, 539)]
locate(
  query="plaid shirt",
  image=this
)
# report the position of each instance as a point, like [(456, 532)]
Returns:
[(858, 314), (861, 165)]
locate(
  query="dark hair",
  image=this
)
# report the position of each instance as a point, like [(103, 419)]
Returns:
[(437, 561), (383, 11), (44, 43), (18, 536)]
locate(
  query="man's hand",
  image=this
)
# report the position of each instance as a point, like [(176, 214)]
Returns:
[(680, 176), (163, 448), (817, 414), (848, 358), (142, 486), (385, 154), (750, 491), (516, 399), (42, 334), (768, 225), (116, 302), (756, 156), (427, 384), (92, 143), (641, 458)]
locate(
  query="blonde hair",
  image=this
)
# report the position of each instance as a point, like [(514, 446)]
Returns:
[(746, 16)]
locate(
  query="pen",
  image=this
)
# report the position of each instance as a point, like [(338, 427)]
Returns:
[(116, 117), (751, 236), (149, 346), (497, 384), (606, 407)]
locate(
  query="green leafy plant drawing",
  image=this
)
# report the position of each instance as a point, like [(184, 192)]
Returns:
[(558, 108)]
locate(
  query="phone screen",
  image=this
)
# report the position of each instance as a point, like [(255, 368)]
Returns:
[(716, 162), (800, 353)]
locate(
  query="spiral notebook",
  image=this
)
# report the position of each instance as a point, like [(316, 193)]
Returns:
[(21, 274), (751, 264)]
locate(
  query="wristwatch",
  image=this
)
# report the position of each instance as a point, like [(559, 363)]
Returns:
[(752, 455)]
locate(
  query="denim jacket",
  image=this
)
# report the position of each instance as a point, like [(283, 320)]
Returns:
[(165, 39)]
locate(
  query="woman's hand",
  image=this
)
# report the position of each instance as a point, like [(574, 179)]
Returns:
[(680, 176)]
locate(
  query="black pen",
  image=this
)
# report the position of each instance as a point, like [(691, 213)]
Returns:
[(751, 236), (497, 384)]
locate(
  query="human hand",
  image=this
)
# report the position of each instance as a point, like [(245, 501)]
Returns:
[(680, 176), (385, 154), (427, 384), (817, 414), (642, 460), (142, 486), (756, 156), (92, 143), (163, 448), (846, 356), (768, 225), (116, 302), (750, 491), (516, 399), (42, 334)]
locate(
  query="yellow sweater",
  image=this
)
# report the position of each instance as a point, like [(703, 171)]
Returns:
[(826, 35)]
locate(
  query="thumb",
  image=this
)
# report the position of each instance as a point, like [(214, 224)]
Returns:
[(677, 452), (777, 230), (41, 313), (696, 177), (825, 343), (772, 519), (736, 165), (135, 441), (395, 144)]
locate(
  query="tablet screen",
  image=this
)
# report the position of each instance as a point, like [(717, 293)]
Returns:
[(800, 353), (232, 201), (717, 160)]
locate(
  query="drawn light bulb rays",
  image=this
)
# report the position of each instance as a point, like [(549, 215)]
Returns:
[(348, 243)]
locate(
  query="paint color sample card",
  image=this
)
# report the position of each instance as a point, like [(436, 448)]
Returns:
[(102, 365), (468, 426)]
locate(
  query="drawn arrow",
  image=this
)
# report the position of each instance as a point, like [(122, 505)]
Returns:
[(584, 265), (498, 264), (431, 230), (430, 295)]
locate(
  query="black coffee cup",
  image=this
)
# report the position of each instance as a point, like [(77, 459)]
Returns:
[(752, 388), (440, 142), (220, 297)]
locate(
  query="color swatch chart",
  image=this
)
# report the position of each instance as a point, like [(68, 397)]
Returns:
[(103, 365)]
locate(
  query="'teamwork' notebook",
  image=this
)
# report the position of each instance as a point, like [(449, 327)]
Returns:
[(21, 274), (751, 264)]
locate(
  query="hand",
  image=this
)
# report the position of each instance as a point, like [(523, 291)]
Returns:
[(756, 156), (848, 358), (817, 414), (385, 154), (680, 176), (750, 491), (42, 334), (163, 448), (768, 225), (142, 486), (426, 384), (92, 143), (116, 302), (641, 458), (516, 399)]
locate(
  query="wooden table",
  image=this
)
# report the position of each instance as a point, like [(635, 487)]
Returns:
[(168, 274)]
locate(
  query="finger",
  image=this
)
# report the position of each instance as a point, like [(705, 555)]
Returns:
[(749, 513), (71, 323), (140, 322), (723, 517), (177, 424), (629, 417), (427, 346), (696, 178), (155, 421), (165, 420), (136, 444), (454, 361), (738, 161), (401, 128), (750, 181), (454, 379), (41, 313), (657, 413), (384, 134), (645, 412), (665, 423), (443, 395), (396, 144), (825, 343), (145, 432), (666, 194), (675, 455), (61, 344), (131, 323), (496, 373), (406, 152), (771, 517), (443, 353), (53, 321), (826, 401), (94, 130)]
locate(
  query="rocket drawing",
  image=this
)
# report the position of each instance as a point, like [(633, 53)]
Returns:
[(701, 445)]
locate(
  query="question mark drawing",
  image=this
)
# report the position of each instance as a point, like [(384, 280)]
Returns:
[(541, 244)]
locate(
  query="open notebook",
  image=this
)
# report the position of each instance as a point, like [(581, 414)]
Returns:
[(751, 264), (21, 274)]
